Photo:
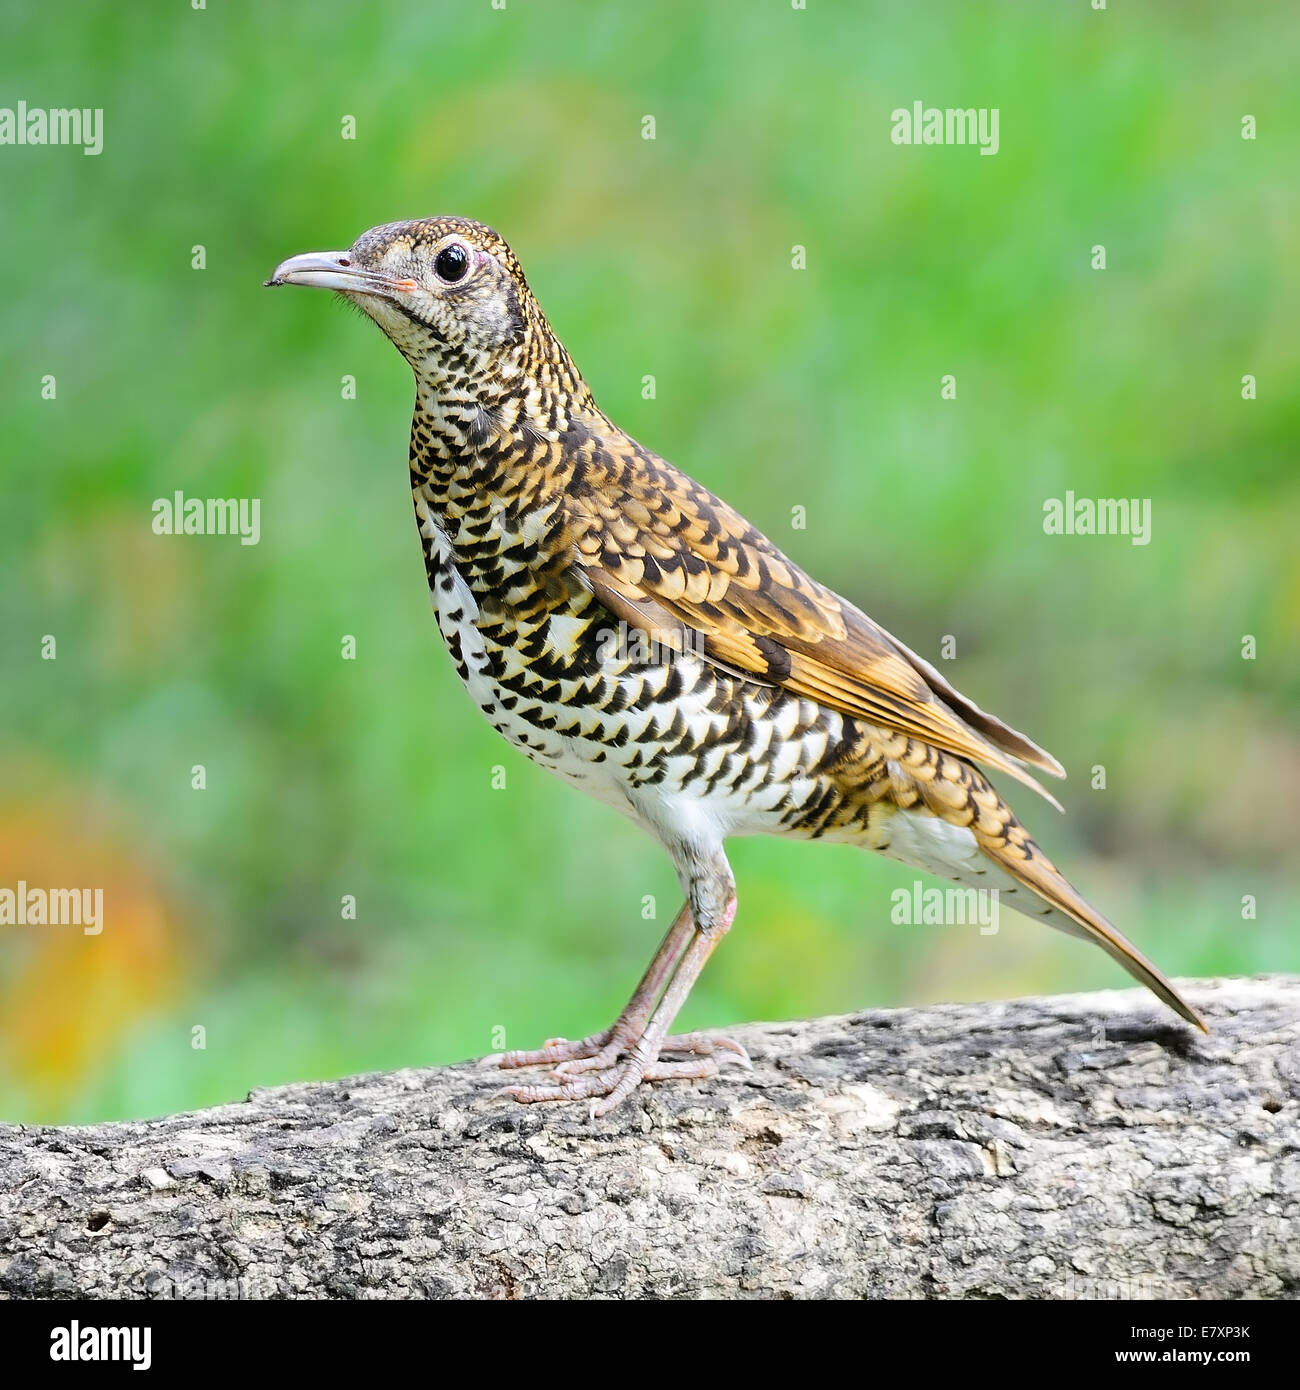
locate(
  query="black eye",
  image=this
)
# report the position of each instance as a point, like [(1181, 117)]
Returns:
[(451, 263)]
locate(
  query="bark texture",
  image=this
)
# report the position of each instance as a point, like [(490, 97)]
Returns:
[(1074, 1147)]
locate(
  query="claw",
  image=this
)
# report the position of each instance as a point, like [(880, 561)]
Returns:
[(731, 1048)]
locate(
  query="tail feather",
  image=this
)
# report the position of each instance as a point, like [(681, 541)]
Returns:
[(1003, 857), (1083, 920)]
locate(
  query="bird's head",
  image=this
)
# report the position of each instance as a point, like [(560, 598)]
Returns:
[(447, 291)]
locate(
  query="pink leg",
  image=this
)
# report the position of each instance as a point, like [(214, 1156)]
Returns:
[(629, 1023), (615, 1080)]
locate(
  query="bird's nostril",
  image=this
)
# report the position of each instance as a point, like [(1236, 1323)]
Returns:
[(343, 260)]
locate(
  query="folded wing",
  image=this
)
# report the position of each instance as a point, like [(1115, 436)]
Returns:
[(670, 558)]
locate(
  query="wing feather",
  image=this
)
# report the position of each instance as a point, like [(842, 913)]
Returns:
[(666, 555)]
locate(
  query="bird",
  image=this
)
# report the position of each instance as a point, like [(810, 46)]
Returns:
[(631, 632)]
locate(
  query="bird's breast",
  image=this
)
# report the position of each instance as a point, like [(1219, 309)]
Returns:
[(663, 736)]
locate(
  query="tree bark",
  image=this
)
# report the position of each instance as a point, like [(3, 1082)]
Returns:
[(1084, 1146)]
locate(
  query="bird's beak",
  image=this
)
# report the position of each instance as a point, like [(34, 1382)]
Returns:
[(334, 270)]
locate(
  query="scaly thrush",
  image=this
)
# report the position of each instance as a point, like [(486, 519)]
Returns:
[(632, 632)]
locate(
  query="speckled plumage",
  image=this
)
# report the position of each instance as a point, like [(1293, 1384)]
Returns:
[(627, 629)]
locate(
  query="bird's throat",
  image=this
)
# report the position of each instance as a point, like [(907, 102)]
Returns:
[(490, 477)]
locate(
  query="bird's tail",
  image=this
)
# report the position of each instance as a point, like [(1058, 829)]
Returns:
[(1061, 906), (996, 852)]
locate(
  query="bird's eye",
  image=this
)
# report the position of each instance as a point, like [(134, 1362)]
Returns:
[(451, 263)]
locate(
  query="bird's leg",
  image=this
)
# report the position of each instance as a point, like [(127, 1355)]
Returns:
[(613, 1084), (629, 1024), (613, 1081), (643, 1062), (633, 1021)]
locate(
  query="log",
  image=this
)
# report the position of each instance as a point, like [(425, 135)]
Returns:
[(1083, 1146)]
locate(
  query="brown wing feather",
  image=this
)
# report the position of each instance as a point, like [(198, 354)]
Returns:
[(666, 555)]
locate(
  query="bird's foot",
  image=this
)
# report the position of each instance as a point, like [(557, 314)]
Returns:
[(597, 1074), (600, 1051), (696, 1044), (556, 1051), (609, 1088)]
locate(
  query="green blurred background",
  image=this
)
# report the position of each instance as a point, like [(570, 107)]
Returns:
[(520, 909)]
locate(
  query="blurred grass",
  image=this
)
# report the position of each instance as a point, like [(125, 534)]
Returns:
[(521, 909)]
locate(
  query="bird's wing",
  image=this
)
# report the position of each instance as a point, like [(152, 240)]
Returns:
[(668, 557)]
